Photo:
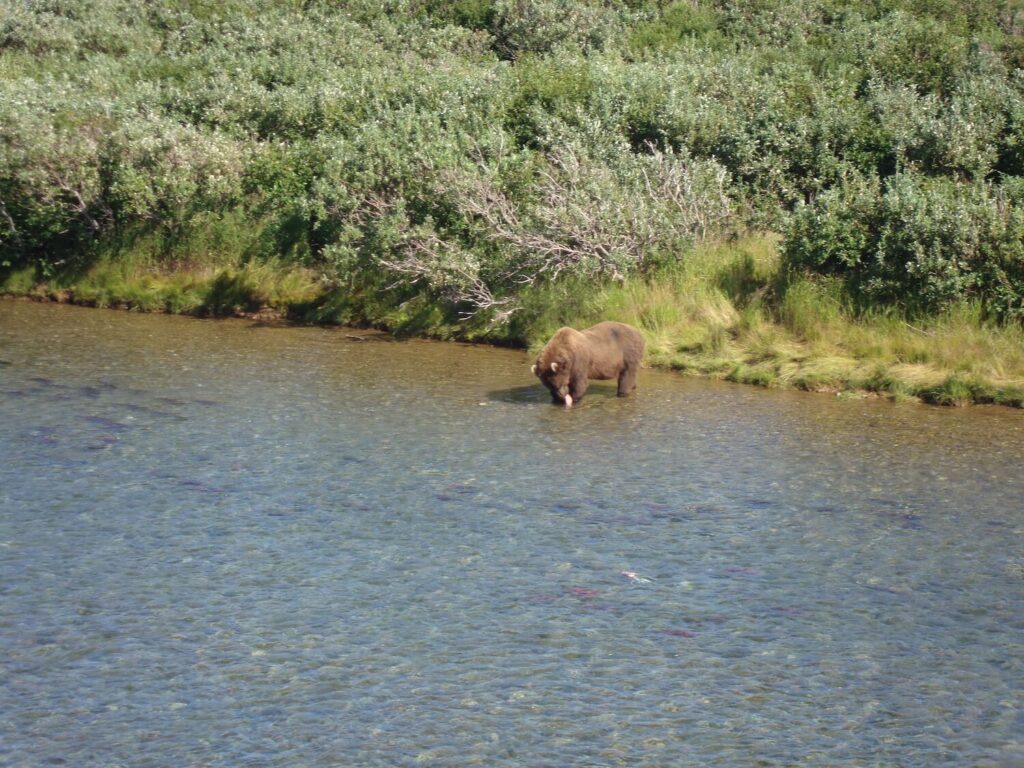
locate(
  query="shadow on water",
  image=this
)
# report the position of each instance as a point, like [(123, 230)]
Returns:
[(528, 395), (534, 394)]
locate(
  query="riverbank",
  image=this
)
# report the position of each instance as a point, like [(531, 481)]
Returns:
[(727, 312)]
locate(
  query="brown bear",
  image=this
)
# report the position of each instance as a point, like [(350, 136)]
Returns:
[(607, 350)]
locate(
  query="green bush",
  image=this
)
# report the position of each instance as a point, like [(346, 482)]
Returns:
[(472, 138), (679, 22), (923, 243), (542, 26)]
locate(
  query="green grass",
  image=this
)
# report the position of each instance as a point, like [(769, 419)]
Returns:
[(207, 290), (728, 312), (19, 282)]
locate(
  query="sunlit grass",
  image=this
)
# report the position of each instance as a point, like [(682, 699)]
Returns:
[(19, 282), (204, 289), (727, 311)]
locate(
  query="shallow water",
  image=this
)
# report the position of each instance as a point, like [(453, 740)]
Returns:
[(229, 544)]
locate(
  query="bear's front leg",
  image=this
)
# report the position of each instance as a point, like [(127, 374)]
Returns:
[(578, 386)]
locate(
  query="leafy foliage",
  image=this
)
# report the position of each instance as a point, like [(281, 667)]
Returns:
[(464, 151), (926, 243)]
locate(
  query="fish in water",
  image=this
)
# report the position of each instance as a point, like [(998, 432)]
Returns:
[(542, 598), (105, 423), (633, 577), (198, 485), (741, 570), (678, 632)]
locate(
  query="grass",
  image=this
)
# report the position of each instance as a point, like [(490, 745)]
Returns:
[(204, 290), (729, 312), (726, 310), (19, 282)]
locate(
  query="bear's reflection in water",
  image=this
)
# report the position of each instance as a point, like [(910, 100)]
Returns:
[(537, 394)]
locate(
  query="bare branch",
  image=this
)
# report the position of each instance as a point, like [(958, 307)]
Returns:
[(583, 218), (15, 234), (428, 258)]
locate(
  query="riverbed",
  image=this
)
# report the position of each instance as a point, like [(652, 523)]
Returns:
[(228, 543)]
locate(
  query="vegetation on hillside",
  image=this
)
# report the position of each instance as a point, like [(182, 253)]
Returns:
[(488, 168)]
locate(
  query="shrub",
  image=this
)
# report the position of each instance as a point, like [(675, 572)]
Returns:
[(51, 188), (541, 26), (917, 242), (676, 23), (159, 170), (577, 218), (499, 143)]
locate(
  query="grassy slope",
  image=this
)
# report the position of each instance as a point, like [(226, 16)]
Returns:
[(726, 312)]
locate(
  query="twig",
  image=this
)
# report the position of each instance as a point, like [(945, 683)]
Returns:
[(919, 330)]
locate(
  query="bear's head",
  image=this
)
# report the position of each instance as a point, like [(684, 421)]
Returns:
[(553, 374)]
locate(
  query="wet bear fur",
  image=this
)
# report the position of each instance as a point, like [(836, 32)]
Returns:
[(608, 350)]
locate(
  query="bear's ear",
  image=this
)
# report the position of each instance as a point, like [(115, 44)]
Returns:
[(554, 367), (533, 369)]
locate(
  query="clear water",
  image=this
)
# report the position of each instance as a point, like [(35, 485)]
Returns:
[(228, 544)]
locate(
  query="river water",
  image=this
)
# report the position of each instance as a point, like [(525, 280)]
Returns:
[(231, 544)]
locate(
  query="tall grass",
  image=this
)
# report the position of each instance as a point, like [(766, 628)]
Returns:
[(729, 311), (199, 289)]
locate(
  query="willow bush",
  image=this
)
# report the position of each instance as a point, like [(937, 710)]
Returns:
[(925, 243)]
